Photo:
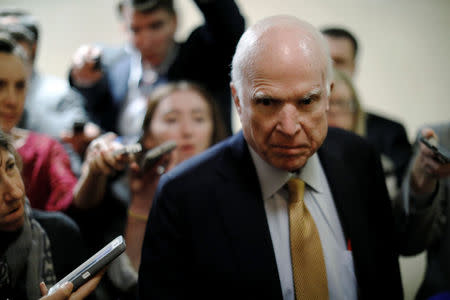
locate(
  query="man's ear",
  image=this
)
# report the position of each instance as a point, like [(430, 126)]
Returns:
[(329, 95), (235, 96)]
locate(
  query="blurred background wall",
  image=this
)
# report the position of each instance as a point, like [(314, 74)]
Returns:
[(404, 65)]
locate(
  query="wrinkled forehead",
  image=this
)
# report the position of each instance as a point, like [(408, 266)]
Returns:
[(287, 60), (285, 45)]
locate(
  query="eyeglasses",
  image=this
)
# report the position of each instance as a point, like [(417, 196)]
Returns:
[(342, 106)]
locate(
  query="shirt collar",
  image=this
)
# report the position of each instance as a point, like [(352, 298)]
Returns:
[(162, 69), (272, 179)]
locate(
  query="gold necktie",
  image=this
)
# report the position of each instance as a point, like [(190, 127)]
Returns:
[(308, 266)]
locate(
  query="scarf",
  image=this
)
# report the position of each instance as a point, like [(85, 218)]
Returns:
[(27, 260)]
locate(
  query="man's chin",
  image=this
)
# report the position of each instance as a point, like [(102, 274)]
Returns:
[(13, 226), (289, 165), (153, 60)]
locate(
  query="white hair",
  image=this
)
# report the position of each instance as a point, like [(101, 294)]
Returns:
[(244, 56)]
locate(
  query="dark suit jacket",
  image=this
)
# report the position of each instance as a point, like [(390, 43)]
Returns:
[(390, 138), (208, 229), (204, 58)]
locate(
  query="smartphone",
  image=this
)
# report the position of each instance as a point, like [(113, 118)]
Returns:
[(441, 154), (93, 265), (153, 155)]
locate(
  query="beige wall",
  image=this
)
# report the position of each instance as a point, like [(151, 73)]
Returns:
[(403, 66)]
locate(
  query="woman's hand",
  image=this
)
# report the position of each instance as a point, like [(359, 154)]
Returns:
[(65, 291)]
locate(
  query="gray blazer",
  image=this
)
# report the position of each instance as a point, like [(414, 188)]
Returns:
[(425, 226)]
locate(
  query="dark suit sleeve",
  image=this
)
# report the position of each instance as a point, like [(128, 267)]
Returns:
[(164, 268), (205, 57), (98, 103), (224, 23), (210, 47)]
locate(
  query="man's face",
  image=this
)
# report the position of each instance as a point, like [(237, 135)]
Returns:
[(152, 33), (342, 53), (283, 107), (12, 193)]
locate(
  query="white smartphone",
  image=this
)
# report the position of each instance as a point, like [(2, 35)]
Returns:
[(93, 265)]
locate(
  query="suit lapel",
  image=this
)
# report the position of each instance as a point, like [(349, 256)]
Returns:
[(245, 222), (351, 208)]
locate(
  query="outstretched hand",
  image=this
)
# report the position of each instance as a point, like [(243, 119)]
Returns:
[(426, 169), (104, 157), (85, 71)]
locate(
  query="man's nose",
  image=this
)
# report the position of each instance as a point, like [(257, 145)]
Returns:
[(11, 191), (289, 120), (147, 38)]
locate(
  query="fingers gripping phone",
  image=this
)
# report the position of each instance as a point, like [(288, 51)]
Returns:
[(441, 154), (153, 155), (129, 149), (93, 265)]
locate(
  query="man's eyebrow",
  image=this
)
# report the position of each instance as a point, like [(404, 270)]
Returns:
[(314, 92), (261, 95)]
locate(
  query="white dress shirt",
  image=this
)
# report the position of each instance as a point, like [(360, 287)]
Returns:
[(141, 82), (319, 201)]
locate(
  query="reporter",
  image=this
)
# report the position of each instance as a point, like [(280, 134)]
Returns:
[(49, 180), (182, 112), (35, 245), (422, 211)]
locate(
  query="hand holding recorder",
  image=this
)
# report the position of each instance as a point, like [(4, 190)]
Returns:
[(431, 164), (149, 166), (66, 290), (91, 267)]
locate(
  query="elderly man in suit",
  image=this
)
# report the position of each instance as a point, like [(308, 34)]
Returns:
[(285, 209)]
